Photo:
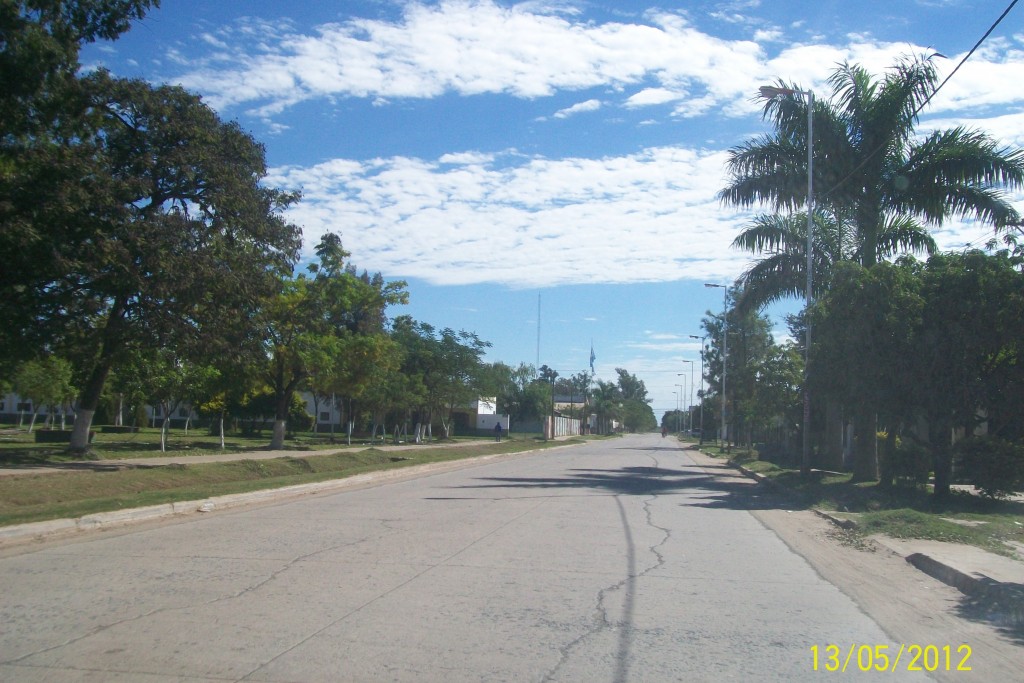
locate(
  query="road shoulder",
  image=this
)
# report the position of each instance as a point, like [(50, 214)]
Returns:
[(911, 606)]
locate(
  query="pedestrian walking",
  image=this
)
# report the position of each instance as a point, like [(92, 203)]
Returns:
[(497, 432)]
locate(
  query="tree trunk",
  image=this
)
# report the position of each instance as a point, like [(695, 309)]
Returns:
[(939, 434), (887, 463), (32, 422), (87, 404), (284, 399), (865, 457), (163, 433), (277, 440), (316, 412), (334, 406), (80, 430), (832, 448), (222, 430)]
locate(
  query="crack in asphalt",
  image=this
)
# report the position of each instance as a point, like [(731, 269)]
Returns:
[(602, 621), (212, 601), (442, 563)]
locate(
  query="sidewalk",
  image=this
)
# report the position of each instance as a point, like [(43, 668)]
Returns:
[(996, 579)]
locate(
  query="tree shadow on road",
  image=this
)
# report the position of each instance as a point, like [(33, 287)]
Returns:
[(998, 604), (732, 492)]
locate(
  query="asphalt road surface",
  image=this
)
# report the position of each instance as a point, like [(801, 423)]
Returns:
[(619, 560)]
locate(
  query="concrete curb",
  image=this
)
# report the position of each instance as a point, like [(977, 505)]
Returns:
[(1009, 596), (59, 528)]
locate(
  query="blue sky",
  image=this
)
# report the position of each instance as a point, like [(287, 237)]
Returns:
[(490, 152)]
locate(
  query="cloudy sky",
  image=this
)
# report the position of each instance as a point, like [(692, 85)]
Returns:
[(556, 157)]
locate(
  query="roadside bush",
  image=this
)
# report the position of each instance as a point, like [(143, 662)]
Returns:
[(911, 464), (994, 466)]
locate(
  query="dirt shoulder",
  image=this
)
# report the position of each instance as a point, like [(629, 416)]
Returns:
[(909, 605)]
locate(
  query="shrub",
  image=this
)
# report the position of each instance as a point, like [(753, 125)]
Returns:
[(994, 466), (911, 464)]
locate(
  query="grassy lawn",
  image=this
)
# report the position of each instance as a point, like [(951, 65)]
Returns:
[(18, 447), (899, 513), (73, 493)]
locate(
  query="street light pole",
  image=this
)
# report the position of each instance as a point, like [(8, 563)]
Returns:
[(699, 393), (725, 350), (682, 401), (769, 92), (676, 394), (689, 406)]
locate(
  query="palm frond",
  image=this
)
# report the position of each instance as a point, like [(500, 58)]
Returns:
[(900, 234)]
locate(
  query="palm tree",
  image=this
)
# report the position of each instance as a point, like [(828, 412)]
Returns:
[(872, 170), (782, 240), (869, 164)]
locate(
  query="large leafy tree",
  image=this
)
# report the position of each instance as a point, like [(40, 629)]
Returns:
[(42, 106), (309, 327), (177, 241), (968, 358), (868, 325), (39, 58), (448, 364), (519, 394), (46, 382), (636, 412), (608, 404)]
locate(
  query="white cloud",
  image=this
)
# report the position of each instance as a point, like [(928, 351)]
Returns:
[(486, 216), (578, 108), (653, 96), (647, 217), (530, 50)]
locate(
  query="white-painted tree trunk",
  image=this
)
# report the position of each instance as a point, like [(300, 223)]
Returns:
[(277, 440), (80, 430)]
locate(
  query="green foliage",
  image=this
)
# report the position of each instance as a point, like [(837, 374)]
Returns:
[(299, 419), (637, 416), (911, 464), (39, 54), (995, 466), (45, 382), (875, 175), (763, 378)]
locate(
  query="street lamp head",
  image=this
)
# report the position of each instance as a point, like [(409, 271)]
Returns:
[(711, 284), (770, 91)]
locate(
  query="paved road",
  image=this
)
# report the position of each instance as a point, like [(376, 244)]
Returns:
[(614, 561)]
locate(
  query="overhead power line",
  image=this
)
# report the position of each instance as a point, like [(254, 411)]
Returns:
[(929, 98)]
